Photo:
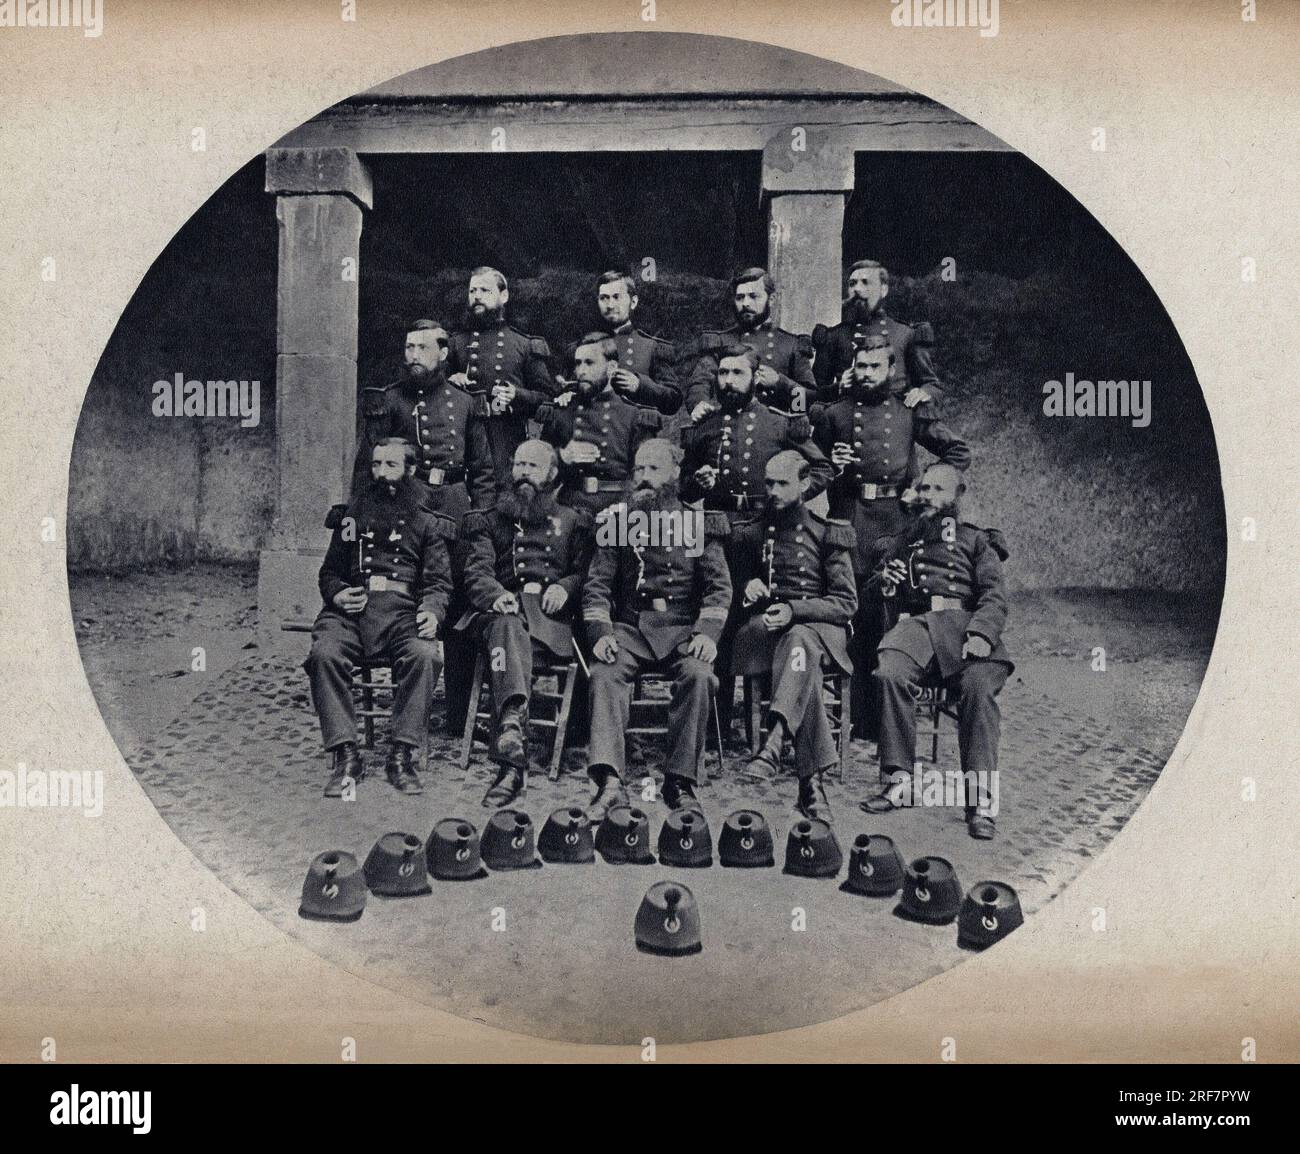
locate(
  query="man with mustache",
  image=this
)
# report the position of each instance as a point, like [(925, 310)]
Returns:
[(784, 377), (645, 372), (864, 316), (654, 604), (595, 429), (527, 558), (508, 371), (453, 458), (796, 570), (944, 577), (870, 435), (386, 583)]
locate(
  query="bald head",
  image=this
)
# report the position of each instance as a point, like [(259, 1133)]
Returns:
[(940, 488), (786, 479), (658, 462)]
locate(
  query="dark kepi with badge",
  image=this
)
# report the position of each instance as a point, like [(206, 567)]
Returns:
[(875, 867), (509, 841), (566, 837), (812, 851), (624, 837), (685, 840), (668, 921), (990, 912), (746, 841), (454, 854), (396, 867), (335, 889), (931, 892)]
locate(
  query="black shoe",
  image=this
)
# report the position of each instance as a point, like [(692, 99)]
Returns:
[(511, 783), (812, 801), (348, 769), (609, 794), (679, 792), (400, 770), (764, 765), (510, 747), (980, 826)]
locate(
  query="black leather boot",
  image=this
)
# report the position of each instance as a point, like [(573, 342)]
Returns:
[(348, 769), (400, 769), (511, 783), (609, 793), (812, 801), (511, 745), (679, 792)]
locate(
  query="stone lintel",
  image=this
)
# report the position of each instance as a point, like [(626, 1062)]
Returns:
[(808, 158), (301, 171)]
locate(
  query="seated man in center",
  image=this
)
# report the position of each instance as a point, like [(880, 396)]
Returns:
[(797, 574), (656, 597), (527, 558)]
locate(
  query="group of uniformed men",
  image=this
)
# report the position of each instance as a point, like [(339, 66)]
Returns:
[(463, 530)]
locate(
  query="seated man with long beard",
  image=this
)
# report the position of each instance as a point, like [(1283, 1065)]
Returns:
[(386, 582), (527, 558), (656, 597), (944, 576)]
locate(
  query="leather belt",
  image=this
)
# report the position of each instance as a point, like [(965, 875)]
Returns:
[(388, 585), (645, 604), (938, 604), (731, 502), (597, 485), (869, 492), (435, 476)]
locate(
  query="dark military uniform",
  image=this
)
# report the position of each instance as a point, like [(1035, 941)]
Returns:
[(506, 556), (953, 589), (442, 422), (616, 426), (501, 355), (404, 564), (913, 362), (806, 562), (739, 445), (883, 433), (654, 362), (788, 354), (653, 598)]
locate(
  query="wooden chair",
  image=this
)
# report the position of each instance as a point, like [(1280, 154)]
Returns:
[(545, 665), (933, 703), (837, 695), (642, 701)]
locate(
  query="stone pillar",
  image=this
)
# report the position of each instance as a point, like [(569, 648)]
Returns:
[(807, 173), (321, 194)]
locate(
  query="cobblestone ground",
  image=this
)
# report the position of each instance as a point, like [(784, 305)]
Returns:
[(237, 772)]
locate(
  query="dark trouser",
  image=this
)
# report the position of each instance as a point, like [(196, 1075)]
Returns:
[(460, 647), (509, 650), (385, 630), (611, 704), (797, 699), (979, 720)]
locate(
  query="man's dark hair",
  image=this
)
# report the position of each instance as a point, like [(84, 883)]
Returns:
[(875, 264), (488, 270), (613, 276), (424, 325), (869, 344), (749, 355), (408, 449), (608, 345), (745, 275)]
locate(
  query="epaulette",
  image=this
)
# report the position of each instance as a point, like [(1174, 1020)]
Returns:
[(711, 339), (477, 520), (803, 344), (923, 333), (838, 532), (997, 542), (798, 427), (334, 518), (582, 518), (443, 525), (819, 335), (716, 524), (538, 346), (657, 340)]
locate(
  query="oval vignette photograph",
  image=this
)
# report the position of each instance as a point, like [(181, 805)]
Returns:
[(645, 535)]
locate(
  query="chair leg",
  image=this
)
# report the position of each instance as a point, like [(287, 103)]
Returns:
[(935, 714), (846, 719), (471, 712), (368, 705), (704, 761), (754, 696), (562, 719)]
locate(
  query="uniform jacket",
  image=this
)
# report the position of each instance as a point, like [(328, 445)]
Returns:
[(806, 562), (501, 355), (615, 425), (654, 361), (912, 345), (788, 354), (442, 421), (413, 546), (624, 581), (505, 555), (967, 567), (739, 446)]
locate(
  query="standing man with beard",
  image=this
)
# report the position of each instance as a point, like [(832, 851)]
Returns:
[(646, 374), (870, 435), (784, 378), (453, 458), (386, 583), (724, 458), (506, 369), (797, 574), (944, 576), (595, 430), (864, 316), (527, 558), (652, 603)]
